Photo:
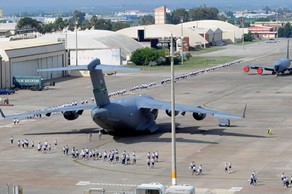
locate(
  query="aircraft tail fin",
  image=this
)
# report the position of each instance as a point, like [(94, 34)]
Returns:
[(244, 111), (2, 114), (99, 88), (95, 68)]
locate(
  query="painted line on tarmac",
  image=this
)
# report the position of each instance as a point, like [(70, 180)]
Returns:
[(225, 95), (235, 189), (83, 183)]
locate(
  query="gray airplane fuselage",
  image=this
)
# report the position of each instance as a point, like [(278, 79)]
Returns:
[(281, 66), (122, 117)]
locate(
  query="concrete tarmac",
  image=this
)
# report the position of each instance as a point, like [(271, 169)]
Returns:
[(245, 143)]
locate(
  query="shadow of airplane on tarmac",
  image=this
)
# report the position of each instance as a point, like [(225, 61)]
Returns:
[(220, 131), (156, 137), (74, 131)]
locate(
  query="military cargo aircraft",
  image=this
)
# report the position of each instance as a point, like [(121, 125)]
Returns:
[(280, 67), (130, 115)]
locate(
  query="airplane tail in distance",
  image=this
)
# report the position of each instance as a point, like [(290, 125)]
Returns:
[(2, 114), (95, 68)]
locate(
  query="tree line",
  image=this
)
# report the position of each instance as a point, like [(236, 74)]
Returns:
[(78, 19), (285, 31)]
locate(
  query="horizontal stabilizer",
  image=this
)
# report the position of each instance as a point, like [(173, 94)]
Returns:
[(95, 64)]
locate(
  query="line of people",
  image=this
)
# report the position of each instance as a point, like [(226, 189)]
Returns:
[(41, 147), (111, 156), (167, 80), (201, 71)]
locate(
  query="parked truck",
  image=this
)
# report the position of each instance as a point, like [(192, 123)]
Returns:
[(30, 82)]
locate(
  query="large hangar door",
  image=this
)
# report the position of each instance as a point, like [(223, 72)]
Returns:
[(24, 68), (50, 62), (30, 67), (57, 62)]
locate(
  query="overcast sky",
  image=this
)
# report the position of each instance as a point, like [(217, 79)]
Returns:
[(15, 6)]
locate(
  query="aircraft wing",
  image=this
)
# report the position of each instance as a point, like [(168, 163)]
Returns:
[(48, 111), (158, 104), (267, 68)]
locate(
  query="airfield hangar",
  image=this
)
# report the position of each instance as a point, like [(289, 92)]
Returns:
[(110, 47), (195, 33), (24, 57)]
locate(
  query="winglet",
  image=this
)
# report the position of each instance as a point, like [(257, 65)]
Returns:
[(244, 111), (2, 114)]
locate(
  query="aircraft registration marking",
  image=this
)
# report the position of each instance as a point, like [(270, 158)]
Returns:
[(99, 90)]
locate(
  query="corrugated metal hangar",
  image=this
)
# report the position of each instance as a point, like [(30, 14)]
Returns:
[(24, 57), (110, 47)]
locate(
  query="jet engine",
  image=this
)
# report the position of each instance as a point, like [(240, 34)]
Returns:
[(154, 112), (260, 70), (246, 69), (199, 116), (168, 112), (72, 115)]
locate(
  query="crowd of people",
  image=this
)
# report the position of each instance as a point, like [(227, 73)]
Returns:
[(113, 157)]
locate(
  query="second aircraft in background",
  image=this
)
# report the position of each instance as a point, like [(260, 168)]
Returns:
[(280, 67)]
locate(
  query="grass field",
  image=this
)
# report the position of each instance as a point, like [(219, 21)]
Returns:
[(195, 63)]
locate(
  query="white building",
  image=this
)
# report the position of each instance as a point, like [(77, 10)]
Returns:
[(148, 34), (25, 57), (230, 32), (110, 47)]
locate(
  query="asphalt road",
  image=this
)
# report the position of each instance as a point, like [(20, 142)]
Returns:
[(245, 144)]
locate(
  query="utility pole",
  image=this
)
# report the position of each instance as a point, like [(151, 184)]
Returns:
[(242, 26), (173, 132), (76, 43), (182, 42)]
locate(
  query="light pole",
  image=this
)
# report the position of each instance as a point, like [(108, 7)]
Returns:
[(173, 142), (76, 43), (182, 42), (242, 25)]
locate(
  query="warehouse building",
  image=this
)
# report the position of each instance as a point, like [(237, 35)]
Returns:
[(83, 46), (24, 57), (151, 34), (228, 33)]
